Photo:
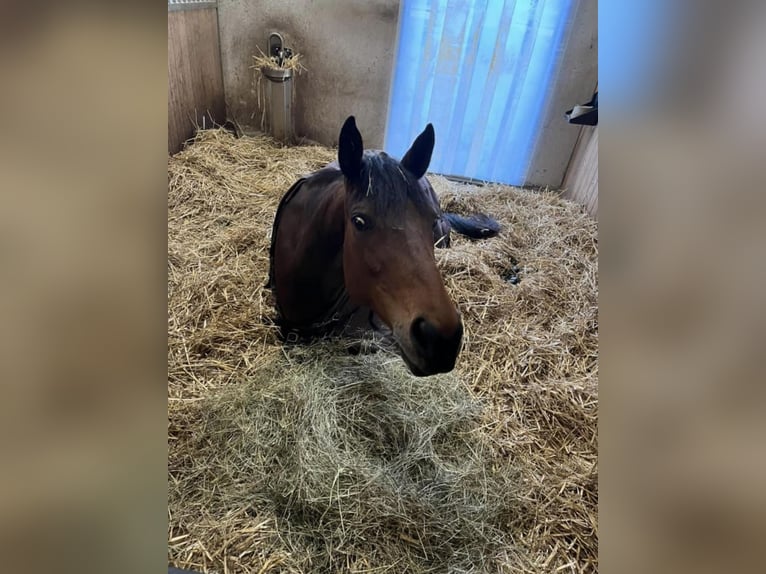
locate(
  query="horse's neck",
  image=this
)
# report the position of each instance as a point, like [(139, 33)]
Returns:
[(325, 249), (319, 272)]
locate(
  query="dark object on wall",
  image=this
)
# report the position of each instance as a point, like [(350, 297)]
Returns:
[(585, 114)]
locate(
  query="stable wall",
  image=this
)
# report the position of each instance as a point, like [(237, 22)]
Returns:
[(581, 181), (574, 82), (348, 48), (195, 83)]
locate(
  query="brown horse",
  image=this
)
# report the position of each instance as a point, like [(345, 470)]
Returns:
[(354, 242)]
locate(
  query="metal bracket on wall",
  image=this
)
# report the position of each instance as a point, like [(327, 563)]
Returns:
[(277, 51), (276, 44)]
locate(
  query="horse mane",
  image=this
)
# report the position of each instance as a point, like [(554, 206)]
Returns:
[(389, 186)]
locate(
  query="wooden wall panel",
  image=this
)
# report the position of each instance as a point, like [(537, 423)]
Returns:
[(581, 180), (195, 82), (572, 83)]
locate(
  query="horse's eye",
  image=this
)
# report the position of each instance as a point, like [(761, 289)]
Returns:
[(360, 222)]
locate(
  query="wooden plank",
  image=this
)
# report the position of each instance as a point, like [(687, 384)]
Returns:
[(581, 180), (192, 6), (195, 82)]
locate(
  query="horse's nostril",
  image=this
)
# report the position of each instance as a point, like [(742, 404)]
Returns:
[(431, 340), (436, 350), (419, 330)]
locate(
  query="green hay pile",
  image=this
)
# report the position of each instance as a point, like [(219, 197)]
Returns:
[(308, 459)]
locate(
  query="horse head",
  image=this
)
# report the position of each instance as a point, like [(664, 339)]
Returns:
[(388, 250)]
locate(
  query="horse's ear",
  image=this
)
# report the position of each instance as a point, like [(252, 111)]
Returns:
[(350, 149), (418, 157)]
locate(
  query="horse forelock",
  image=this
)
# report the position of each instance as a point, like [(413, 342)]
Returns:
[(388, 186)]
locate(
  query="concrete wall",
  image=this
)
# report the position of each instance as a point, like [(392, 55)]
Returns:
[(348, 48)]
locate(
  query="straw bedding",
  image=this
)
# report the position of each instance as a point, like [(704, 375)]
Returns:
[(311, 459)]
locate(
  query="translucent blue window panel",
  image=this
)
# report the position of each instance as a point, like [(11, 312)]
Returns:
[(480, 71)]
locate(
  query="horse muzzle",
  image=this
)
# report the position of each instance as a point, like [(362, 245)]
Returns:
[(431, 350)]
